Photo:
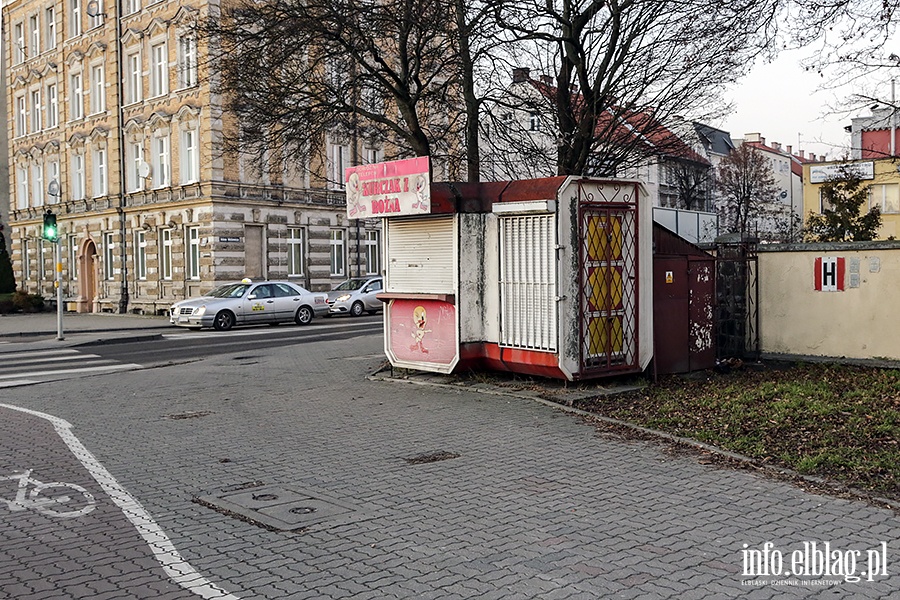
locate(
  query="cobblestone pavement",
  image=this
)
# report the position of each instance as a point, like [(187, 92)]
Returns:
[(431, 492)]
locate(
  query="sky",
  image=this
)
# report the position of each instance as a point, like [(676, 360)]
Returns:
[(785, 104)]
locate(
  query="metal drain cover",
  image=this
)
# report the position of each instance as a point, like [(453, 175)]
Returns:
[(279, 508)]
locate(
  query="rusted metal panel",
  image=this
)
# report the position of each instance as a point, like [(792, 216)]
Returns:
[(702, 331)]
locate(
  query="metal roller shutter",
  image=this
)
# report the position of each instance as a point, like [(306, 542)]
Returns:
[(422, 256), (528, 282)]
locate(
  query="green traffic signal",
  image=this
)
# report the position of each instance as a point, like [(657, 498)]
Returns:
[(50, 231)]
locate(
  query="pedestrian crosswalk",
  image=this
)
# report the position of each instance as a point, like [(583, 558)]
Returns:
[(38, 366)]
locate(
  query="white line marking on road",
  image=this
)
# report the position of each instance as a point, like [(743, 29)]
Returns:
[(117, 367), (163, 549), (17, 382), (36, 353), (28, 360)]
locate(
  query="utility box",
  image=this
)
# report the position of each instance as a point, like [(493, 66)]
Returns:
[(549, 277)]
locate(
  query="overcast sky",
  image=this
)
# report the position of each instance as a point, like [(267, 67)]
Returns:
[(784, 104)]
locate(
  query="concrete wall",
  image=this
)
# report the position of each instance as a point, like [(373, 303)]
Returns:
[(859, 322)]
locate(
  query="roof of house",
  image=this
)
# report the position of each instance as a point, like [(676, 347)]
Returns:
[(797, 161), (714, 140)]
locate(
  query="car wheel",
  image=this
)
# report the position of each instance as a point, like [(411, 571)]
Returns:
[(304, 315), (224, 320), (357, 309)]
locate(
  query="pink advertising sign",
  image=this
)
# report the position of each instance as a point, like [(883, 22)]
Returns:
[(422, 331), (389, 189)]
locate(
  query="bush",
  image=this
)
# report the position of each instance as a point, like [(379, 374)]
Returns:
[(28, 302)]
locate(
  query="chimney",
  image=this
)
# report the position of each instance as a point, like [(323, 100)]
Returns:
[(752, 137), (546, 79), (790, 150), (801, 153), (762, 140), (812, 157), (521, 74), (777, 146)]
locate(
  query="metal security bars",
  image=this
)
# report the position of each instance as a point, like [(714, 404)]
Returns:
[(528, 282)]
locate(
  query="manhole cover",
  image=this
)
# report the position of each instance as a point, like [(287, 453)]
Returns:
[(279, 508)]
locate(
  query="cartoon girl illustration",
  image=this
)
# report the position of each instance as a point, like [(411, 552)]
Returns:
[(420, 320), (354, 195)]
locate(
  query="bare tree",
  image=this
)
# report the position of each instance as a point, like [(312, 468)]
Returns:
[(692, 182), (748, 189), (622, 68)]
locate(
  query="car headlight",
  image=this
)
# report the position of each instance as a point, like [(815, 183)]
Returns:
[(201, 311), (343, 298)]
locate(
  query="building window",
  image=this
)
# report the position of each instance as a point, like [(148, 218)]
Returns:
[(140, 258), (187, 61), (133, 82), (193, 252), (109, 253), (886, 197), (159, 83), (534, 121), (78, 188), (21, 116), (50, 21), (53, 174), (132, 6), (76, 97), (36, 111), (37, 184), (135, 182), (52, 106), (296, 251), (26, 260), (22, 188), (98, 20), (337, 251), (34, 33), (190, 157), (340, 160), (160, 161), (18, 43), (166, 251), (373, 252), (98, 89), (73, 258), (75, 18), (99, 173)]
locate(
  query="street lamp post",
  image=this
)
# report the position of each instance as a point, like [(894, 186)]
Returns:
[(54, 190)]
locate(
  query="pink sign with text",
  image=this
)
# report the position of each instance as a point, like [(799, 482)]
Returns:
[(389, 189)]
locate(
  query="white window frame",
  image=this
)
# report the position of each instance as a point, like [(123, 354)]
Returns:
[(337, 252), (131, 7), (190, 156), (140, 254), (193, 252), (76, 96), (21, 115), (187, 60), (339, 159), (37, 121), (52, 105), (75, 18), (73, 258), (372, 244), (53, 173), (19, 51), (109, 256), (98, 89), (34, 34), (50, 23), (159, 70), (78, 190), (99, 182), (97, 20), (37, 184), (133, 78), (534, 121), (22, 197), (296, 251), (161, 156), (135, 183), (880, 198), (165, 263)]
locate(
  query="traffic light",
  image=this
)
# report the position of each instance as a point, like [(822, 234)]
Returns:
[(51, 233)]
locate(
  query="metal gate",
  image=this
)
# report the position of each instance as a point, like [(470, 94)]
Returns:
[(608, 285), (737, 300)]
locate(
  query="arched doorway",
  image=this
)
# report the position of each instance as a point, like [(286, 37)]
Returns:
[(88, 288)]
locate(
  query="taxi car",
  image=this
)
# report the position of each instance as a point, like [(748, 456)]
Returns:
[(249, 302), (356, 296)]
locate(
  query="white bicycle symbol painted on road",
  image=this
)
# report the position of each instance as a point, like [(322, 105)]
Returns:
[(54, 499)]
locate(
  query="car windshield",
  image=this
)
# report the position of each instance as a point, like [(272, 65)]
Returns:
[(350, 285), (232, 290)]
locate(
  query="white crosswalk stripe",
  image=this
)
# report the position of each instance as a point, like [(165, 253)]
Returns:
[(38, 366)]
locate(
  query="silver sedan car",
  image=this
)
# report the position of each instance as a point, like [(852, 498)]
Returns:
[(247, 303), (356, 296)]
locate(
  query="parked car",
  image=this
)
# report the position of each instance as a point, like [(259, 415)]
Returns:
[(249, 302), (356, 296)]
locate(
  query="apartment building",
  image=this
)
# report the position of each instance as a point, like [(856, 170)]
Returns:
[(113, 126)]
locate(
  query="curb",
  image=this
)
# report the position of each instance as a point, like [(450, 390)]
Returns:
[(818, 484)]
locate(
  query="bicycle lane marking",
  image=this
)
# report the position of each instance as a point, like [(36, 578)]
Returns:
[(164, 551)]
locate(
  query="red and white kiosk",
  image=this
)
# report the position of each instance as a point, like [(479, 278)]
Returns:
[(549, 277)]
